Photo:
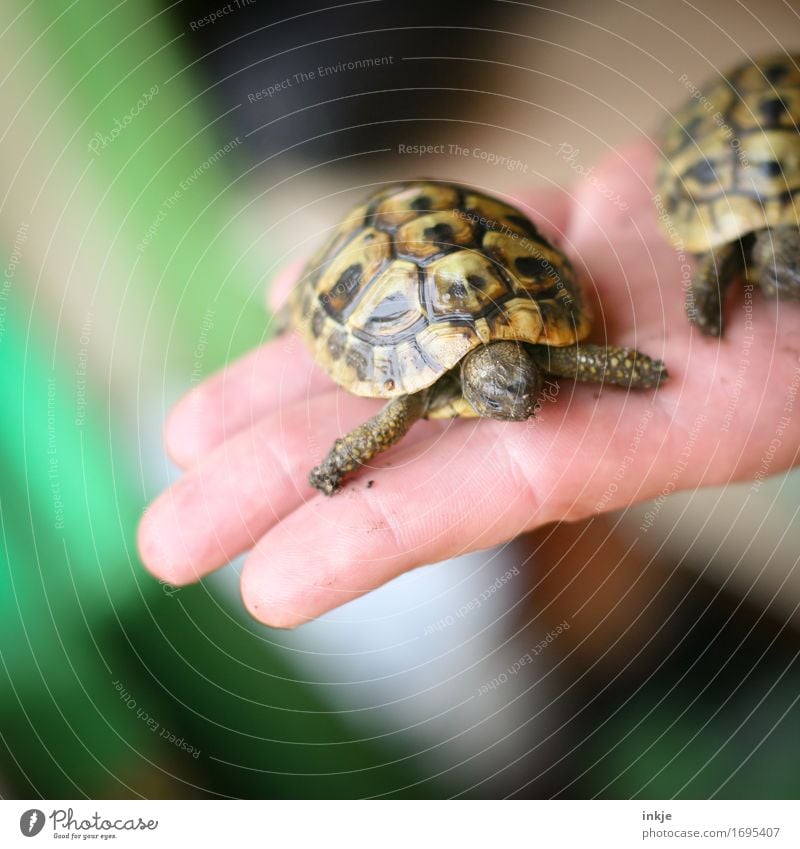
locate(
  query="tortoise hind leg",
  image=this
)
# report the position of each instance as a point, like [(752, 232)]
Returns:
[(716, 270), (599, 364), (362, 444)]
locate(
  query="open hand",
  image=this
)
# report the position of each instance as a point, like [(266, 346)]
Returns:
[(249, 435)]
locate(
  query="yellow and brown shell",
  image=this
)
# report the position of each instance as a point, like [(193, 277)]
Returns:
[(422, 273), (732, 155)]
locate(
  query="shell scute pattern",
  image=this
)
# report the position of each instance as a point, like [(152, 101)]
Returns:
[(390, 307), (432, 235), (422, 274), (462, 286), (732, 159), (349, 271), (391, 208)]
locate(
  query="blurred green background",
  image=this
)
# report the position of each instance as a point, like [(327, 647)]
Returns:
[(92, 310), (136, 258)]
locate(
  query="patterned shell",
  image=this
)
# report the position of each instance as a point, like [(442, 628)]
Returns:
[(422, 273), (733, 156)]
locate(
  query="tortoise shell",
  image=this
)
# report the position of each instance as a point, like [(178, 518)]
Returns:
[(421, 274), (732, 155)]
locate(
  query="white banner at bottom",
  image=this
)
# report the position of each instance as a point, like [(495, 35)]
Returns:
[(402, 824)]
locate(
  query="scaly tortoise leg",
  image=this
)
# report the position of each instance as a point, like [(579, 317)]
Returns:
[(598, 364), (716, 270), (362, 444)]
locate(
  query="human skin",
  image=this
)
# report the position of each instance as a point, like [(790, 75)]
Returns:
[(248, 436)]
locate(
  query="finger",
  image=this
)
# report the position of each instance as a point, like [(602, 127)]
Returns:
[(619, 188), (224, 504), (481, 483), (626, 263), (549, 208), (278, 374)]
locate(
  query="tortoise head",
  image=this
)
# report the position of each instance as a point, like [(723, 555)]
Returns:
[(501, 381)]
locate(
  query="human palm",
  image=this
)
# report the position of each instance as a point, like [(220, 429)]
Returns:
[(249, 435)]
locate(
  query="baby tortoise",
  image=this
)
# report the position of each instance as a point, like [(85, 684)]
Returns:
[(448, 303), (729, 184)]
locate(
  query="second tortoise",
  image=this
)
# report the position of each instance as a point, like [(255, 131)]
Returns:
[(729, 185)]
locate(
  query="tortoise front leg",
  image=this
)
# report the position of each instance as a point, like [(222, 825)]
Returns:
[(598, 364), (715, 271), (371, 438)]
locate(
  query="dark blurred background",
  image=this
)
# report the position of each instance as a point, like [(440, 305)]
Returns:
[(140, 234)]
